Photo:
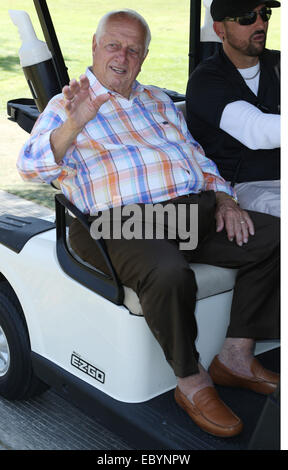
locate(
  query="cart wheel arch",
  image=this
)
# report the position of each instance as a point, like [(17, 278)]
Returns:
[(17, 378)]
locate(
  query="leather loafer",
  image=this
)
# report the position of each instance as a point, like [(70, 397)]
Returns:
[(210, 413), (262, 380)]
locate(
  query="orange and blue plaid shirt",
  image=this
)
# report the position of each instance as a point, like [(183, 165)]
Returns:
[(134, 151)]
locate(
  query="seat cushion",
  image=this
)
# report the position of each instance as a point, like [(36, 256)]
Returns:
[(211, 280)]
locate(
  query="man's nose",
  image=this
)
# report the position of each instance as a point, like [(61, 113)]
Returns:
[(259, 21), (122, 54)]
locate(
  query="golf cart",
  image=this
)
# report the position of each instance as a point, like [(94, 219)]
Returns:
[(67, 325)]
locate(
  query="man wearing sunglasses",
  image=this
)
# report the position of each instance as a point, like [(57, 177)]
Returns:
[(233, 103)]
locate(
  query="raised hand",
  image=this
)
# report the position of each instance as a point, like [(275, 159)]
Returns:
[(80, 105)]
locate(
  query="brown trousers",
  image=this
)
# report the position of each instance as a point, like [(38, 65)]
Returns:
[(159, 273)]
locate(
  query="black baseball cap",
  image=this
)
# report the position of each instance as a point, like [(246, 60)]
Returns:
[(221, 9)]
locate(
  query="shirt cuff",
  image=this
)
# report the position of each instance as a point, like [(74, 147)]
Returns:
[(45, 164)]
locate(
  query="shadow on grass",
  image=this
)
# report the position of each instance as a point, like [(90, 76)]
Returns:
[(10, 63), (67, 59), (44, 196)]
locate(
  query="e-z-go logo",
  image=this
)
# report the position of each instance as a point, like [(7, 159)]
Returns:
[(87, 368)]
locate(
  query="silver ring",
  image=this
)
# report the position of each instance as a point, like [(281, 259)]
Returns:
[(242, 221)]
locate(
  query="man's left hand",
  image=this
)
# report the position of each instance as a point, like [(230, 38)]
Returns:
[(235, 220)]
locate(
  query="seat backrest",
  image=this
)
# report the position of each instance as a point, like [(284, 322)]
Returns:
[(181, 105)]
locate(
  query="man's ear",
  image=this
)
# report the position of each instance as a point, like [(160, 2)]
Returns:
[(218, 27), (143, 60), (94, 43), (145, 55)]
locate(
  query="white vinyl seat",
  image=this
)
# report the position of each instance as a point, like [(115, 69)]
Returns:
[(211, 281)]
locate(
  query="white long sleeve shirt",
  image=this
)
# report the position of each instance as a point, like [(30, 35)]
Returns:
[(248, 124)]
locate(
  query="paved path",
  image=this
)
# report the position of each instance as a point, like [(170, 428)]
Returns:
[(22, 207), (47, 422)]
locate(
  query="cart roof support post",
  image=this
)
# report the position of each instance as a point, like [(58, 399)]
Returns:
[(194, 39)]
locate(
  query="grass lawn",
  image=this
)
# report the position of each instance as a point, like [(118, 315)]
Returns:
[(166, 64)]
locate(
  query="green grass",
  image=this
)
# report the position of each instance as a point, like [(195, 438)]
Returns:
[(75, 22)]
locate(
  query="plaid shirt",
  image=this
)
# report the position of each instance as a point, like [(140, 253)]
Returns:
[(134, 151)]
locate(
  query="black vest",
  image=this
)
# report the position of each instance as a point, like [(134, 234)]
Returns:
[(235, 161)]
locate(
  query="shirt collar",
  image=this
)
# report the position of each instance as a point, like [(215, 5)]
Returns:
[(99, 89)]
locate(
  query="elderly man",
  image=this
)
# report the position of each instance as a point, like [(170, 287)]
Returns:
[(111, 141), (233, 103)]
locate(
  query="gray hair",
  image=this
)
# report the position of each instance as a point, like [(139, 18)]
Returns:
[(126, 13)]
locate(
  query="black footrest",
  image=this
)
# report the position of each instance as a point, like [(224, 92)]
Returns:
[(15, 231)]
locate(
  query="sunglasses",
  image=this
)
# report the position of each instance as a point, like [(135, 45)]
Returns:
[(251, 17)]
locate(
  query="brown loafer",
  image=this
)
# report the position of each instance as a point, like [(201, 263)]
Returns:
[(210, 413), (263, 381)]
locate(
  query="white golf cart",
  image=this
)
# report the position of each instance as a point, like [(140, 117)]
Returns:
[(67, 325)]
